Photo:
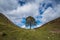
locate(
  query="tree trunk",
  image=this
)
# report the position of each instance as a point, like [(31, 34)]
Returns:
[(30, 25)]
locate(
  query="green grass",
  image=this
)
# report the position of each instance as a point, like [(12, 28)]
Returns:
[(49, 31)]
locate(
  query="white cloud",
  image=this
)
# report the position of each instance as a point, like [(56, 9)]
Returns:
[(26, 10), (50, 14), (23, 26), (6, 5), (15, 12)]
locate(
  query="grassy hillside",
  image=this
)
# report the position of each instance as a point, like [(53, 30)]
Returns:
[(9, 31)]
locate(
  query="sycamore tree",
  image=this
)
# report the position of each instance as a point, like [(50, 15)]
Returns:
[(30, 21)]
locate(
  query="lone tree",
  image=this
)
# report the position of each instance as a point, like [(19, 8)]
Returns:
[(30, 21)]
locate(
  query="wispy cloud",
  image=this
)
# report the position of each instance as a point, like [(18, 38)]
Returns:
[(41, 10)]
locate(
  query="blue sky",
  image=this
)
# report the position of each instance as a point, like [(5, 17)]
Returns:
[(42, 10)]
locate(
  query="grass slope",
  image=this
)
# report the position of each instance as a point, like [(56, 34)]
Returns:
[(9, 31)]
